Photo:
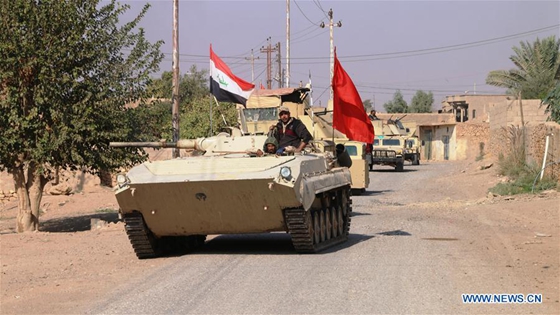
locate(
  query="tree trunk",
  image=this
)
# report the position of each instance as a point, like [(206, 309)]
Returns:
[(30, 192), (524, 137)]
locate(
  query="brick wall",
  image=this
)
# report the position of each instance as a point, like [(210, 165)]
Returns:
[(500, 142), (470, 138), (507, 113)]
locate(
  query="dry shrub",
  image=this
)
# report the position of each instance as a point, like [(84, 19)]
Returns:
[(514, 165)]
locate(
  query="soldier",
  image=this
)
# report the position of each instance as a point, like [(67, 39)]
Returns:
[(290, 131), (270, 147), (372, 115)]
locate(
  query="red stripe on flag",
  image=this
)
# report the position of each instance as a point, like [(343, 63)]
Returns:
[(349, 114), (244, 85)]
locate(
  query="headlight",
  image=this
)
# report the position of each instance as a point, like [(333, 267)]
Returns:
[(285, 172), (122, 180)]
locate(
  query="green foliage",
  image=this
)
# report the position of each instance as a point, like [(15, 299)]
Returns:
[(67, 70), (552, 101), (368, 105), (538, 68), (397, 105), (195, 117), (151, 121), (523, 183), (421, 102), (192, 85), (195, 104)]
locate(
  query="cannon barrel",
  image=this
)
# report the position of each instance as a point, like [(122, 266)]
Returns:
[(181, 144)]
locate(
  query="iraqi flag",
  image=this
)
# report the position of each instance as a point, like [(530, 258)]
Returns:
[(349, 114), (224, 85)]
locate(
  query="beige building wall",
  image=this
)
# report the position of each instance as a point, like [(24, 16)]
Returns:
[(475, 107), (445, 144), (472, 140), (438, 142), (505, 113)]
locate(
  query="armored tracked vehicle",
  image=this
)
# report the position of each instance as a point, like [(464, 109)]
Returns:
[(173, 204)]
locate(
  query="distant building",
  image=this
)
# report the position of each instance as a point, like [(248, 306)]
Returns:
[(471, 107)]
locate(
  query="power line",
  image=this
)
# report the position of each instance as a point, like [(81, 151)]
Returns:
[(417, 52), (401, 54), (318, 4), (300, 39), (297, 5)]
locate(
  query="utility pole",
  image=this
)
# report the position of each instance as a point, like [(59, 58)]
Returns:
[(268, 50), (331, 26), (252, 66), (175, 97), (287, 43), (279, 60)]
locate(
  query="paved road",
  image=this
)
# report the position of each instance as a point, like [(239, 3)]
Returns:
[(400, 258)]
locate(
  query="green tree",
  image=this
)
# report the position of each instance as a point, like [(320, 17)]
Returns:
[(368, 105), (421, 102), (538, 68), (397, 104), (67, 69), (195, 103), (552, 100), (195, 117), (193, 84)]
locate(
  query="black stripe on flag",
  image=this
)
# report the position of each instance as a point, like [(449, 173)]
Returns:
[(225, 96)]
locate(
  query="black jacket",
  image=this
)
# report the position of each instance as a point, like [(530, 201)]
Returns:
[(294, 132)]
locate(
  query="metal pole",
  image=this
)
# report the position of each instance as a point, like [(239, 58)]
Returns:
[(544, 156), (175, 97), (331, 31), (252, 59), (280, 78), (332, 50), (287, 43)]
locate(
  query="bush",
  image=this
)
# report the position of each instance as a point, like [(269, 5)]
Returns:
[(523, 182)]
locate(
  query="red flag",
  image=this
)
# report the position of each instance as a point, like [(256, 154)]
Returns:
[(349, 114)]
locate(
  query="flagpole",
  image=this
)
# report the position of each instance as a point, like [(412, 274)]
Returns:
[(175, 116), (211, 124), (218, 105)]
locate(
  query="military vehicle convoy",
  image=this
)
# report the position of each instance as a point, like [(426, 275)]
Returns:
[(392, 145), (387, 150), (174, 204)]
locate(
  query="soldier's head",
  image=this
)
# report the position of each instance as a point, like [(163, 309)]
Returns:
[(270, 145), (284, 113)]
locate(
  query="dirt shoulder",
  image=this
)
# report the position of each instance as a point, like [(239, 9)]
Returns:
[(69, 264)]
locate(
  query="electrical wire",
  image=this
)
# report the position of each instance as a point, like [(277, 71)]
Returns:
[(417, 52), (300, 10), (318, 4)]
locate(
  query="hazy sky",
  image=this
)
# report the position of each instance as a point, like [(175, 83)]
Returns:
[(447, 47)]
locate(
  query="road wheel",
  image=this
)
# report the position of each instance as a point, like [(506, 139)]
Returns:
[(323, 223), (399, 167), (334, 221), (316, 228)]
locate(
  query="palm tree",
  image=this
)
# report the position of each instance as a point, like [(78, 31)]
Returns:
[(538, 68)]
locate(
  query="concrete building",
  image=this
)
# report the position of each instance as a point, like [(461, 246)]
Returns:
[(470, 107)]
